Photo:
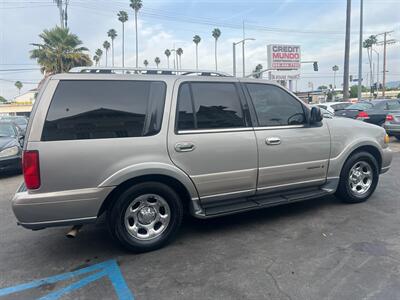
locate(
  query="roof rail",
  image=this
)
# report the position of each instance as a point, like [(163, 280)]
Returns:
[(144, 71)]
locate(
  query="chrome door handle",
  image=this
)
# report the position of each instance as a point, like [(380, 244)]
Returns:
[(184, 147), (273, 141)]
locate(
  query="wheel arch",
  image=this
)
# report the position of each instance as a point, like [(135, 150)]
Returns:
[(170, 176), (374, 151)]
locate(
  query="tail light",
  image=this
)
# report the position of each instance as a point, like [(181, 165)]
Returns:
[(362, 115), (389, 118), (30, 164)]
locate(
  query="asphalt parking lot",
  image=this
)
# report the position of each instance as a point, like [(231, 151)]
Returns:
[(320, 249)]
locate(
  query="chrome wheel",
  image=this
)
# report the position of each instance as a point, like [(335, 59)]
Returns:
[(360, 178), (147, 216)]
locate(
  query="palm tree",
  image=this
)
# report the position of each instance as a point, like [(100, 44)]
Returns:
[(19, 86), (216, 33), (123, 17), (335, 68), (112, 34), (96, 60), (99, 54), (60, 51), (61, 12), (146, 63), (179, 52), (157, 61), (106, 46), (368, 44), (167, 54), (136, 6), (256, 72), (197, 40)]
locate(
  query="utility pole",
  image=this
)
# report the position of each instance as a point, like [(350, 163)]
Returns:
[(243, 57), (385, 43), (347, 53), (360, 49), (234, 59)]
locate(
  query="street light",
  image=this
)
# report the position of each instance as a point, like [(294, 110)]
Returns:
[(243, 57)]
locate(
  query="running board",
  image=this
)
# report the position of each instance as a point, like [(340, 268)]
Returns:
[(231, 206)]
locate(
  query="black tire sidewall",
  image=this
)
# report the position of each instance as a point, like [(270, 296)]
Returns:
[(344, 191), (116, 217)]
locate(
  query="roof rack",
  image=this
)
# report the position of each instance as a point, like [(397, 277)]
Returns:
[(148, 71)]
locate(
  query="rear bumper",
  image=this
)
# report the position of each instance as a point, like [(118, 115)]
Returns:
[(40, 210), (392, 129), (387, 156), (10, 164)]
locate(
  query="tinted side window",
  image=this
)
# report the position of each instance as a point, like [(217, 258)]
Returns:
[(204, 105), (274, 106), (95, 109)]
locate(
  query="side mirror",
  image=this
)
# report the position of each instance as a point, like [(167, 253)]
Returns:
[(316, 115)]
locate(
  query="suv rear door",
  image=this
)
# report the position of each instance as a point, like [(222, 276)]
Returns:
[(291, 153), (211, 138)]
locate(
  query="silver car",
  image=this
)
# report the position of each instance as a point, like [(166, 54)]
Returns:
[(392, 124), (145, 148)]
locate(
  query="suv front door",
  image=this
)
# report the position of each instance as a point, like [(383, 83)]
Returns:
[(291, 153), (210, 138)]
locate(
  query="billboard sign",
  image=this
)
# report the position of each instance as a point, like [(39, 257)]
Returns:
[(284, 57)]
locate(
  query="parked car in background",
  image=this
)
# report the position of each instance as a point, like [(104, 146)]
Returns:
[(392, 124), (332, 107), (373, 112), (20, 121), (10, 147)]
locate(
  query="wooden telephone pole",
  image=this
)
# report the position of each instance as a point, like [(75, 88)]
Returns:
[(385, 42)]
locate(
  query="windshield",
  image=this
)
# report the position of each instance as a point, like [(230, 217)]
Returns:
[(7, 130), (360, 106), (19, 121)]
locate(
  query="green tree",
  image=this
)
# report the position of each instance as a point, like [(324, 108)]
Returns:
[(112, 34), (157, 61), (216, 33), (136, 5), (197, 40), (99, 54), (19, 86), (2, 99), (123, 17), (106, 46), (179, 52), (60, 51), (354, 91), (322, 87), (167, 53), (146, 63)]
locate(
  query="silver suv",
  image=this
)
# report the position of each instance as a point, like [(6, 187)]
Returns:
[(145, 148)]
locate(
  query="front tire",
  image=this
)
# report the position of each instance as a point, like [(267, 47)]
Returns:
[(146, 217), (359, 178)]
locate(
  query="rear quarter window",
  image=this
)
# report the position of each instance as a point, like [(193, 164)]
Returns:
[(98, 109)]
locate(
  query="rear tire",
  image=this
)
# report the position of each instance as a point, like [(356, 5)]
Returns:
[(145, 217), (359, 178)]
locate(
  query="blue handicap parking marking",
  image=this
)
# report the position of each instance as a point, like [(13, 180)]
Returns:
[(108, 269)]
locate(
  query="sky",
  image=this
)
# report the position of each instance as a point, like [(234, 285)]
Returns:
[(318, 26)]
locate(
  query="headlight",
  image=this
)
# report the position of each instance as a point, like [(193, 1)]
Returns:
[(9, 151)]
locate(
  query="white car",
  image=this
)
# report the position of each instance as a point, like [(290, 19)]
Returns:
[(333, 106)]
